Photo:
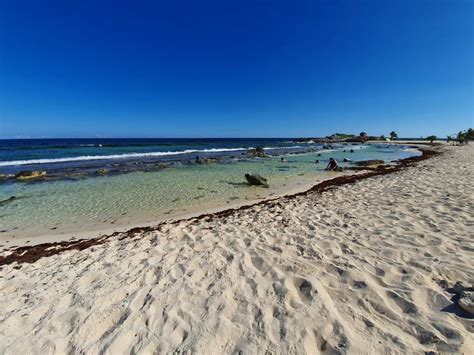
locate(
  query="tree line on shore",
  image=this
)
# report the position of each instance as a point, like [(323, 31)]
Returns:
[(461, 138)]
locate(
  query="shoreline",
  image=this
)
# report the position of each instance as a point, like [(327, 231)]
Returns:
[(357, 264), (24, 253), (297, 176), (292, 186)]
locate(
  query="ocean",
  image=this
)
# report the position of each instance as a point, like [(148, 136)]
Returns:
[(77, 153), (95, 183)]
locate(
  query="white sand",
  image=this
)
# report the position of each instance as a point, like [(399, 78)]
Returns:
[(354, 270)]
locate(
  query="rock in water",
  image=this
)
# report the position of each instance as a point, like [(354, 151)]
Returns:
[(466, 301), (30, 175), (258, 152), (370, 162), (255, 179), (206, 160)]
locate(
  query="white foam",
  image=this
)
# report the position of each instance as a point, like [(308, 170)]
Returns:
[(128, 155)]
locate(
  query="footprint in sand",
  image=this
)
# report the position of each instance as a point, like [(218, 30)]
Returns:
[(259, 264), (305, 290)]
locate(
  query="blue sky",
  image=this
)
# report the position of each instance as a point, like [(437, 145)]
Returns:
[(235, 68)]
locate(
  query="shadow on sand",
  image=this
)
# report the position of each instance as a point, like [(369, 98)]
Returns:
[(454, 307)]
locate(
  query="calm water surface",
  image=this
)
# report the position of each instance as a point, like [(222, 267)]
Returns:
[(139, 192)]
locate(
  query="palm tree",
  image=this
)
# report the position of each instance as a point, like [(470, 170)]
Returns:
[(470, 134), (461, 137), (393, 135), (431, 139), (363, 137)]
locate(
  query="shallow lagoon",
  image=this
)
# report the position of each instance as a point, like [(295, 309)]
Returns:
[(145, 197)]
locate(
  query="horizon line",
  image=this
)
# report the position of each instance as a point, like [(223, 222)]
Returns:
[(294, 137)]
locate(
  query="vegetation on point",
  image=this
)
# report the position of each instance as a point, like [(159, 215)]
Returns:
[(431, 138), (463, 137)]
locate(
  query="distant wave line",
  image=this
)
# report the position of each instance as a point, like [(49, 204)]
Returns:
[(128, 155)]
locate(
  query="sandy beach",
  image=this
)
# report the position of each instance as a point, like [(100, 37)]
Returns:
[(361, 267)]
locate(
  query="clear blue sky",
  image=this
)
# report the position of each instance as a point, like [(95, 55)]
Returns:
[(235, 68)]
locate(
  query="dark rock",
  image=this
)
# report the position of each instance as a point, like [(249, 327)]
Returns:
[(30, 175), (74, 174), (206, 160), (102, 172), (345, 160), (466, 301), (258, 152), (370, 162), (255, 179)]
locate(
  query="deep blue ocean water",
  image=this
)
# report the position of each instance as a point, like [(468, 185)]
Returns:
[(33, 154)]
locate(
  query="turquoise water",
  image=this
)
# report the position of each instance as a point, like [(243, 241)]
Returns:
[(144, 197)]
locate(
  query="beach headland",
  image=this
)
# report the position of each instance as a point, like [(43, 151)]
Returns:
[(360, 263)]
